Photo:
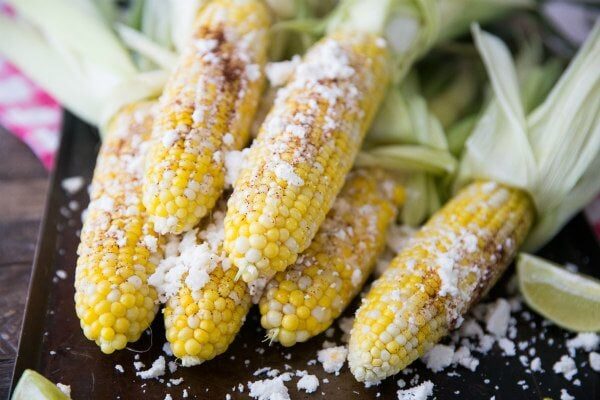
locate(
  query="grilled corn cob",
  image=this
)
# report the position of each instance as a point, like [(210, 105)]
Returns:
[(304, 149), (118, 244), (449, 264), (205, 305), (206, 110), (303, 300)]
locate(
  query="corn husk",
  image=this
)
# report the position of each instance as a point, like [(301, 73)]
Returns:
[(552, 152)]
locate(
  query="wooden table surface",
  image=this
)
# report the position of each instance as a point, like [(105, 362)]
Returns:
[(23, 184)]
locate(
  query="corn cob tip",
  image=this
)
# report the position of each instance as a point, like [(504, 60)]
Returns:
[(204, 306)]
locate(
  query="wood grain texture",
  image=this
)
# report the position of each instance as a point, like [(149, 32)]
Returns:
[(23, 186)]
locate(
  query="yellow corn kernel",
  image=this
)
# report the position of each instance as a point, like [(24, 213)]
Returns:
[(206, 110), (336, 264), (305, 148), (450, 263), (118, 244)]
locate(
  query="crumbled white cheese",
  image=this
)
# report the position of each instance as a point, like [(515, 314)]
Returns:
[(308, 383), (439, 357), (507, 346), (72, 184), (168, 397), (278, 73), (157, 369), (587, 341), (470, 328), (61, 273), (448, 275), (498, 317), (595, 361), (198, 256), (333, 358), (356, 278), (119, 368), (285, 172), (172, 366), (536, 365), (270, 389), (167, 349), (138, 365), (565, 366), (235, 161), (421, 392), (564, 395), (169, 138), (462, 356), (66, 389)]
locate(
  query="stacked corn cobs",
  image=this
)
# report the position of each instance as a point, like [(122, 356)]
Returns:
[(161, 171), (283, 226)]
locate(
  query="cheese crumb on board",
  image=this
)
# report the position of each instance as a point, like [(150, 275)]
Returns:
[(268, 389), (333, 358), (308, 383), (595, 361), (587, 341), (564, 395), (157, 369), (439, 357), (498, 317), (565, 366), (72, 185), (421, 392)]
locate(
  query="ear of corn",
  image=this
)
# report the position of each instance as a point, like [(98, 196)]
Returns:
[(205, 306), (449, 264), (304, 149), (113, 300), (206, 110), (305, 299)]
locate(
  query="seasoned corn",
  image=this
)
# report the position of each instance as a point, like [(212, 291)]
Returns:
[(449, 264), (304, 150), (303, 301), (206, 110), (119, 248), (205, 306)]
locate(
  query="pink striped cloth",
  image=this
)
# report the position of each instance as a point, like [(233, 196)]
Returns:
[(29, 113), (34, 117)]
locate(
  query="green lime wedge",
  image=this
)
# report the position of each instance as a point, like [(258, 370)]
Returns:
[(570, 300), (33, 386)]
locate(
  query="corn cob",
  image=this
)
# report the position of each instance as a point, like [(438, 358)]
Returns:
[(205, 306), (302, 154), (449, 264), (119, 247), (302, 301), (206, 110)]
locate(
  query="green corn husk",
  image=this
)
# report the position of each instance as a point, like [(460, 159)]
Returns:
[(51, 43), (551, 152)]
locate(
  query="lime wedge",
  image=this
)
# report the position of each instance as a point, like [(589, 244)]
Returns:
[(33, 386), (570, 300)]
